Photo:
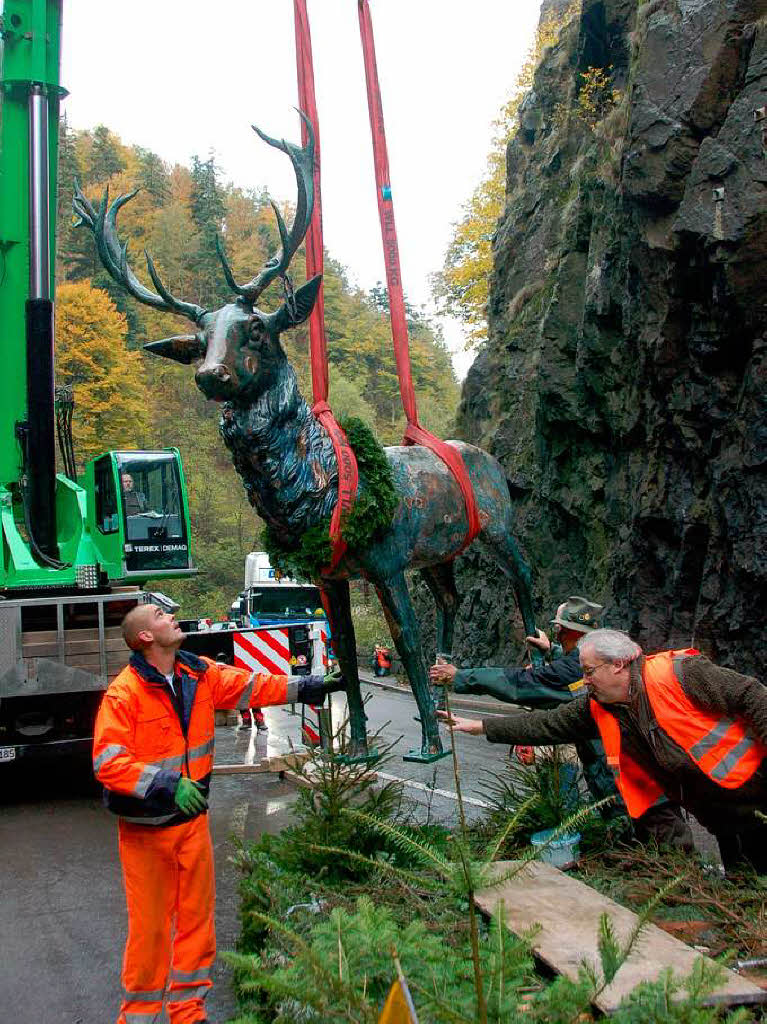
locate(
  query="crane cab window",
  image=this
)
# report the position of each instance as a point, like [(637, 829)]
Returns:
[(106, 497), (155, 530)]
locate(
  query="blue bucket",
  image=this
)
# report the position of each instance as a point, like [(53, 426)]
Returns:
[(562, 852)]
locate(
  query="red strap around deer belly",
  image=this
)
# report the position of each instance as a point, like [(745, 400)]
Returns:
[(348, 478), (452, 459)]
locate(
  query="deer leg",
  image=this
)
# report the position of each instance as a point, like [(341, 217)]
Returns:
[(503, 549), (403, 626), (338, 606), (440, 579)]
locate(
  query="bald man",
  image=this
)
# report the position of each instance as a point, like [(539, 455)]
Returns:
[(153, 753)]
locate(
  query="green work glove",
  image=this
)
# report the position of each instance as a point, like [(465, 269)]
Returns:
[(189, 799), (314, 689), (334, 681)]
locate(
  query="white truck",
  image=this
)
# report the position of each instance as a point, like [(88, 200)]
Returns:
[(276, 625)]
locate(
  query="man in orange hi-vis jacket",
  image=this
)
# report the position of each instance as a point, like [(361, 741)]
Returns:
[(153, 753), (674, 725)]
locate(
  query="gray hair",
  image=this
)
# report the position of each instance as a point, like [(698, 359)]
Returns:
[(610, 644)]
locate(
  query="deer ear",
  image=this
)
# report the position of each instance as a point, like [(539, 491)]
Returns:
[(305, 297), (183, 348)]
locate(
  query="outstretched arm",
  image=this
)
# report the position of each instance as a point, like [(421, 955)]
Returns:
[(542, 686), (241, 688), (564, 724)]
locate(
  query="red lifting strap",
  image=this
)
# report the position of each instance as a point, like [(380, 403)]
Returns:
[(348, 477), (414, 433)]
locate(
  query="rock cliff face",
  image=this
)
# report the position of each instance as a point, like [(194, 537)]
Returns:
[(623, 386)]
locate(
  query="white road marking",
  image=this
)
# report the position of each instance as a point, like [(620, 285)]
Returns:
[(448, 793)]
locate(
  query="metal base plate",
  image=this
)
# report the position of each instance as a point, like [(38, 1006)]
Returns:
[(421, 758), (370, 758)]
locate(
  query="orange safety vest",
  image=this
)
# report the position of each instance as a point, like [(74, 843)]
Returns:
[(723, 748), (138, 732)]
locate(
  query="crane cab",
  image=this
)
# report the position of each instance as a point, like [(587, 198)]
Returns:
[(138, 514)]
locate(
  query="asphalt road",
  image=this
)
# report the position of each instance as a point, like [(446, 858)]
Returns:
[(62, 911)]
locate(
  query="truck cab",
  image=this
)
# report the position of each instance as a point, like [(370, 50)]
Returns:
[(276, 625)]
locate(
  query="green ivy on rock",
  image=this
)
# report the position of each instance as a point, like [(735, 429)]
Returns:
[(370, 516)]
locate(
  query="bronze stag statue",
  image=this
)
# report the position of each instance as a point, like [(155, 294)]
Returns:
[(289, 468)]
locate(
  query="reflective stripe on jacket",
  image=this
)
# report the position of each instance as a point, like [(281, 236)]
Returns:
[(144, 740), (721, 747)]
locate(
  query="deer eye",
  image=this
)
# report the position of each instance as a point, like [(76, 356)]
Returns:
[(256, 333)]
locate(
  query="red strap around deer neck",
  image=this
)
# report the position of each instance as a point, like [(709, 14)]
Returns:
[(414, 433), (348, 478)]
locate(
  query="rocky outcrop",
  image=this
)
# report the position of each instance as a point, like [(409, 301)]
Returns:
[(623, 383)]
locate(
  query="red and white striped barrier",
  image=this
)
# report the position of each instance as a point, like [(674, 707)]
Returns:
[(263, 650)]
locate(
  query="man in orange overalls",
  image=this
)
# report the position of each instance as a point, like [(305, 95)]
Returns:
[(153, 752)]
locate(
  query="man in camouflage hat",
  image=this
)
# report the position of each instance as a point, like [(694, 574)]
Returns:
[(541, 686), (558, 681)]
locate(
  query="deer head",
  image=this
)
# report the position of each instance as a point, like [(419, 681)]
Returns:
[(236, 348)]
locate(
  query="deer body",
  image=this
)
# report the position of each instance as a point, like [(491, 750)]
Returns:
[(288, 465), (289, 470)]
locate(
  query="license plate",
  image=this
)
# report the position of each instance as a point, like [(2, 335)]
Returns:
[(7, 753)]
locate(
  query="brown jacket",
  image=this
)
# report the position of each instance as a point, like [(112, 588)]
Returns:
[(714, 688)]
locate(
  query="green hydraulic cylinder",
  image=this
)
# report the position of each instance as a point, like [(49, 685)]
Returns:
[(28, 163)]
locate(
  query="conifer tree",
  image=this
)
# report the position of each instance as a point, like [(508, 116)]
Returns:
[(153, 176), (106, 159), (208, 209), (70, 168)]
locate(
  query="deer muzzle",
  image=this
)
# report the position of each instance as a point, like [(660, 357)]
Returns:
[(215, 381)]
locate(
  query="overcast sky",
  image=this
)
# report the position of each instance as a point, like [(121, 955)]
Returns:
[(184, 77)]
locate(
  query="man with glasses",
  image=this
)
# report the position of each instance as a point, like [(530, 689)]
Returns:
[(674, 726)]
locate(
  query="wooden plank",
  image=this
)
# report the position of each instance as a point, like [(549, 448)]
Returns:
[(568, 912), (46, 636), (90, 662), (50, 649), (298, 780), (115, 662), (277, 763)]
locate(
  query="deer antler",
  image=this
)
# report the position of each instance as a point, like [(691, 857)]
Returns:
[(114, 256), (302, 159)]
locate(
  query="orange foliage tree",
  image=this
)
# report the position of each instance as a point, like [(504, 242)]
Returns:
[(91, 355)]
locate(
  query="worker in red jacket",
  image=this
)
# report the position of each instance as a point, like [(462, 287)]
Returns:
[(153, 753)]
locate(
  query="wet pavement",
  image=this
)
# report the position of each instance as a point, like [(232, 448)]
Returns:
[(62, 912)]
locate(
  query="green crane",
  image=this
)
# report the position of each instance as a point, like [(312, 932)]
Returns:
[(126, 518)]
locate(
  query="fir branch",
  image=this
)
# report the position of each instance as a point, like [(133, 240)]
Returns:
[(340, 988), (509, 827), (613, 955), (424, 851), (377, 865), (609, 948), (434, 1000)]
